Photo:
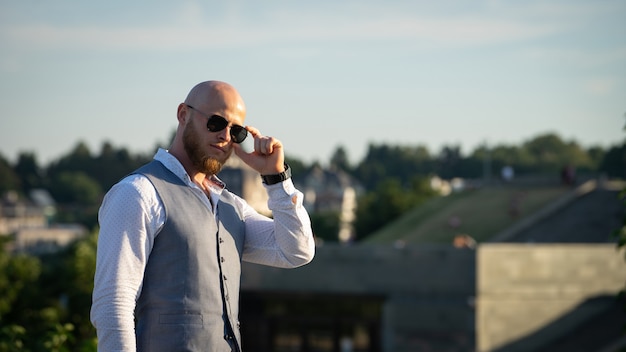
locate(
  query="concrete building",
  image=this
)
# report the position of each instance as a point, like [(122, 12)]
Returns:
[(499, 297), (513, 295)]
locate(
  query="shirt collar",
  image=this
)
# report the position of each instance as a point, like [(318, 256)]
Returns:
[(171, 163)]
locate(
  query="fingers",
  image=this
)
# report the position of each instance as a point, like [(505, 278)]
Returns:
[(267, 157), (264, 145)]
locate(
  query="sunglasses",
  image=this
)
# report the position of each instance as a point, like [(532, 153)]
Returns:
[(217, 123)]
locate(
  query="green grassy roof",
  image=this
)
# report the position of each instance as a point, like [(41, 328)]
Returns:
[(480, 213)]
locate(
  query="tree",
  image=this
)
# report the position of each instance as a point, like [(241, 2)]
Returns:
[(75, 188), (29, 172), (620, 233), (449, 162), (388, 202), (325, 225), (614, 162), (596, 154), (17, 274), (399, 162), (77, 196), (298, 168), (45, 301), (339, 160), (113, 164), (106, 169), (8, 179), (78, 267), (549, 154)]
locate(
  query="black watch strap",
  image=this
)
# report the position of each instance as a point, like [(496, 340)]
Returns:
[(277, 178)]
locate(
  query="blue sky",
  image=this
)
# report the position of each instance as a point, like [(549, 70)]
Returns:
[(315, 74)]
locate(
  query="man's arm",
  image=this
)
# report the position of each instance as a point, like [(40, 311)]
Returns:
[(128, 219), (285, 241)]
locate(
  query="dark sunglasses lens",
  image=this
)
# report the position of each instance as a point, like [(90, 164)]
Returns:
[(216, 123), (238, 133)]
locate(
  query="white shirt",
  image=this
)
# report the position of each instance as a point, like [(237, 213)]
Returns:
[(131, 216)]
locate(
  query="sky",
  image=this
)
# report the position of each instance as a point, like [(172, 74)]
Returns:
[(317, 75)]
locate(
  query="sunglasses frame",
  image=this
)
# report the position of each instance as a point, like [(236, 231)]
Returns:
[(216, 123)]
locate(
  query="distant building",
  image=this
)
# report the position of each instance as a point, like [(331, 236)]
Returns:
[(28, 221), (47, 239), (16, 214), (245, 182), (324, 190), (333, 191), (445, 187)]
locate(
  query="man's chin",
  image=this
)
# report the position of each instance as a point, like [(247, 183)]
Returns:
[(212, 166)]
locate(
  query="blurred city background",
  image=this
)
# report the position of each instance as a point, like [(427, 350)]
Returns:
[(509, 248)]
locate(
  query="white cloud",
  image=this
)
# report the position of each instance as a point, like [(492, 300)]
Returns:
[(600, 86), (579, 57), (194, 27), (190, 13), (447, 32)]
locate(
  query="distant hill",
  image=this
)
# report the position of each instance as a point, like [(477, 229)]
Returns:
[(511, 212)]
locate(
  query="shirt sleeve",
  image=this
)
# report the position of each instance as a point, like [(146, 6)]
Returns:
[(129, 218), (286, 241)]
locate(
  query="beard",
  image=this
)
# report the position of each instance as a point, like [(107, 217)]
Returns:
[(201, 162)]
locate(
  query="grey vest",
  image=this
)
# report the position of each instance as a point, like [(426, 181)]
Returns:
[(190, 295)]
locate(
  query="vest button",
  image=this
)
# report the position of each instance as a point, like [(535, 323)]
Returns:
[(222, 259)]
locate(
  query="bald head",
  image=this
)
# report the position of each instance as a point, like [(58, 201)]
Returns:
[(217, 96), (198, 149)]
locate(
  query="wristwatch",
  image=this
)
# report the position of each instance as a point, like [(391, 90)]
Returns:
[(277, 178)]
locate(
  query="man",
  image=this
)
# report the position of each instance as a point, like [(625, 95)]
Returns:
[(172, 238)]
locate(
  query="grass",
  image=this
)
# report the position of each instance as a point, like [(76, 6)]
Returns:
[(479, 213)]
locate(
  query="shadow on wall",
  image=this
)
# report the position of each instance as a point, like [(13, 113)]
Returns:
[(594, 325)]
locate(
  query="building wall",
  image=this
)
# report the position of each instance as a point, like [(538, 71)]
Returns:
[(428, 290), (524, 288), (458, 299), (243, 181), (48, 239), (17, 216)]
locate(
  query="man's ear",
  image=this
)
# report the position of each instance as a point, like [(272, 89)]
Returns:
[(181, 114)]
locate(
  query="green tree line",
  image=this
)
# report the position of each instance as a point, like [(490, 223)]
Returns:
[(392, 176), (45, 300)]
